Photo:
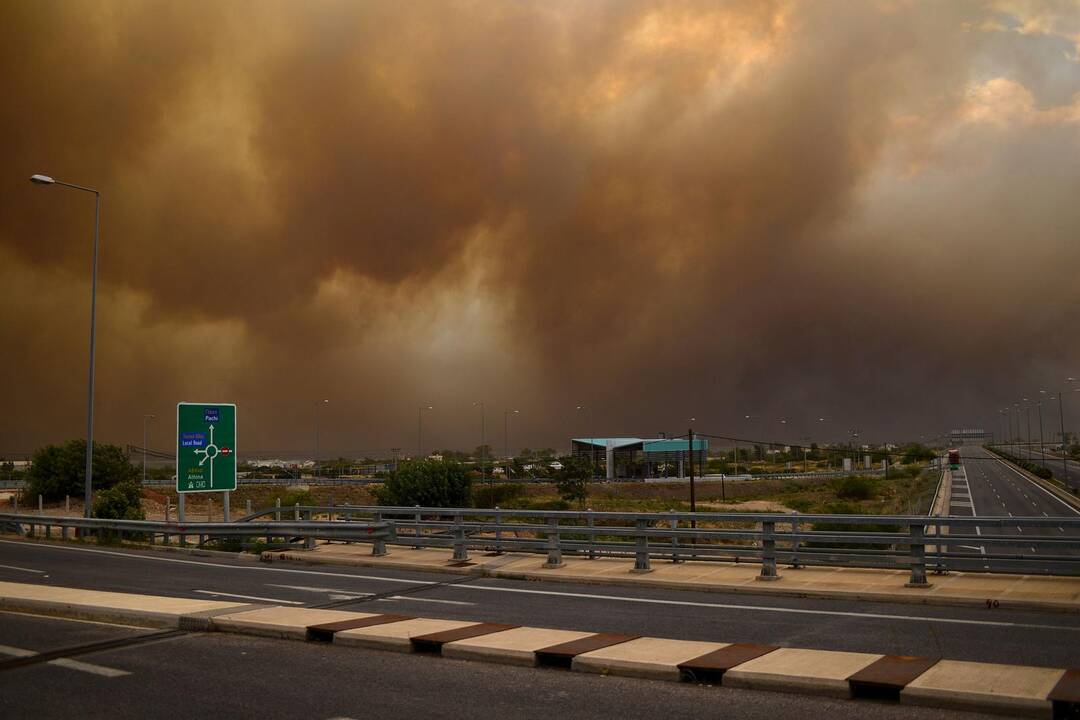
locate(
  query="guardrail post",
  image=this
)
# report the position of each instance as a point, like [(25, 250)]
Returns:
[(296, 512), (249, 506), (768, 552), (63, 532), (180, 503), (592, 535), (309, 540), (378, 548), (554, 558), (917, 533), (795, 545), (675, 542), (416, 528), (641, 556), (277, 513), (498, 532), (165, 535), (461, 553)]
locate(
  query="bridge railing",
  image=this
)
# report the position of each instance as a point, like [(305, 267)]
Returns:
[(915, 543)]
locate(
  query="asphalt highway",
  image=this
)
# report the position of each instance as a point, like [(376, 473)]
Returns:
[(963, 633), (994, 488), (197, 675)]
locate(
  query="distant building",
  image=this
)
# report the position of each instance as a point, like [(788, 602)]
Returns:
[(639, 457)]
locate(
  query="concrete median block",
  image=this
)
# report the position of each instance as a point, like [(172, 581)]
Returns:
[(517, 646), (282, 622), (818, 672), (396, 636), (646, 657), (145, 610), (1011, 689)]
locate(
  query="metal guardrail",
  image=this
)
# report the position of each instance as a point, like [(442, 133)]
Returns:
[(308, 530), (915, 543), (766, 538)]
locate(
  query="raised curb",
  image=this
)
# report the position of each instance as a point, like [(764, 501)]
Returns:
[(1007, 689)]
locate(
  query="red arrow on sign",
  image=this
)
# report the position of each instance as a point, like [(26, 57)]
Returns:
[(226, 451)]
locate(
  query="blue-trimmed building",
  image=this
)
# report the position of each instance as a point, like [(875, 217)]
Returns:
[(626, 457)]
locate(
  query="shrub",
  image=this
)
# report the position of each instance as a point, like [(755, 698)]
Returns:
[(59, 470), (855, 488), (120, 502), (799, 504), (498, 494), (429, 483)]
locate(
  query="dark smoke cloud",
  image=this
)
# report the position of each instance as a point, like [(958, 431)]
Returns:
[(860, 211)]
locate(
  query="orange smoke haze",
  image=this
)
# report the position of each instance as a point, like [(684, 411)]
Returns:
[(859, 211)]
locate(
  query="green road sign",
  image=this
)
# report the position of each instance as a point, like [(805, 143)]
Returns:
[(205, 447)]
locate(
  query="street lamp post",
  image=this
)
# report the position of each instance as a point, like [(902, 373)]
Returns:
[(88, 486), (420, 430), (44, 179), (318, 404), (144, 441), (506, 437), (483, 450)]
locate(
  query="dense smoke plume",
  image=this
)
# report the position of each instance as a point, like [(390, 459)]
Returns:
[(865, 212)]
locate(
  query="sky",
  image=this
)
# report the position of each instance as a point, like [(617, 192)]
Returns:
[(671, 214)]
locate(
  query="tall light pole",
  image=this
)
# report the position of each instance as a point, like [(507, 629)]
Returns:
[(1064, 442), (145, 439), (483, 450), (1027, 414), (506, 437), (420, 430), (88, 486), (318, 404)]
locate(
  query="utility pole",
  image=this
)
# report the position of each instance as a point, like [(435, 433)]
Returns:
[(693, 496)]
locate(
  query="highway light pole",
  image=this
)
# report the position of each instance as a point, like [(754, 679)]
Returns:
[(144, 441), (483, 450), (506, 438), (1027, 413), (420, 430), (318, 404), (89, 483)]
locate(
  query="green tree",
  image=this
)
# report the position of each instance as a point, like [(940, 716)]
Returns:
[(59, 470), (429, 483), (122, 501), (572, 481)]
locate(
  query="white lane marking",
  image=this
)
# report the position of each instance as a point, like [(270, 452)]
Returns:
[(13, 567), (766, 608), (249, 597), (1071, 509), (428, 600), (321, 590), (89, 667), (66, 662), (220, 565)]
